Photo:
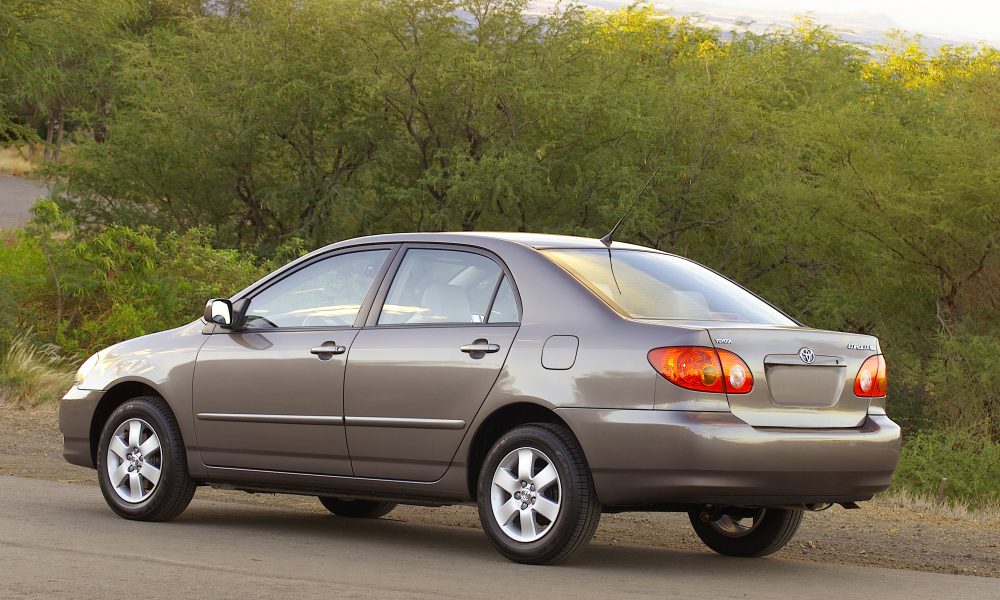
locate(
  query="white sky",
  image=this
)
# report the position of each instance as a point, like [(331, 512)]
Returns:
[(976, 19)]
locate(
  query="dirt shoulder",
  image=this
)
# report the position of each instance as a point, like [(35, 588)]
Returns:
[(882, 534)]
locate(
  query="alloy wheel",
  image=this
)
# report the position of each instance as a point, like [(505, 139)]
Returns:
[(526, 494), (134, 461)]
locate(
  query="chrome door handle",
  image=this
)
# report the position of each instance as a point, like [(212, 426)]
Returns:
[(478, 347), (327, 350)]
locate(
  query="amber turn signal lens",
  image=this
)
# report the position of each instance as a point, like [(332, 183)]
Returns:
[(871, 381), (702, 369)]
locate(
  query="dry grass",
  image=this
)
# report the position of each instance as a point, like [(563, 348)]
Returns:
[(32, 375), (924, 506), (18, 162)]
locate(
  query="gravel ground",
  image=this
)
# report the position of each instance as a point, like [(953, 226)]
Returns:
[(883, 533)]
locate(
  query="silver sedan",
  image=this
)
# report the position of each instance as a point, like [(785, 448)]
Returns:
[(546, 378)]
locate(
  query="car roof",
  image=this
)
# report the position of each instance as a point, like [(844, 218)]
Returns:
[(532, 240), (491, 240)]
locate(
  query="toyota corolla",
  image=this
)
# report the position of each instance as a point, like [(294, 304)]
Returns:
[(547, 379)]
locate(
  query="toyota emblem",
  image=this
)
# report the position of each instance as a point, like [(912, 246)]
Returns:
[(807, 355)]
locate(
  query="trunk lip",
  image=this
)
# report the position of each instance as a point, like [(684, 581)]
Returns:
[(711, 326)]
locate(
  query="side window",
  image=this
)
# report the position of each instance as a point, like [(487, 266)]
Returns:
[(435, 287), (327, 293), (504, 309)]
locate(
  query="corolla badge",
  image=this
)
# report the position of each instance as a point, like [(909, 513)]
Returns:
[(807, 355), (861, 347)]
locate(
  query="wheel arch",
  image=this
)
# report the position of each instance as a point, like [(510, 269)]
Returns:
[(115, 396), (500, 422)]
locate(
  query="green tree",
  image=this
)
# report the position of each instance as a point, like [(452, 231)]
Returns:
[(856, 189), (259, 137), (60, 68)]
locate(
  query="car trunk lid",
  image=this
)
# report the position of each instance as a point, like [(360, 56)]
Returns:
[(802, 377)]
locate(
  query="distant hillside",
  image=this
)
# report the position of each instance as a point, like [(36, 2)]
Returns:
[(860, 28)]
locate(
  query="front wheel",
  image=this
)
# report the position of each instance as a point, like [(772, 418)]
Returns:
[(141, 462), (746, 532), (536, 497)]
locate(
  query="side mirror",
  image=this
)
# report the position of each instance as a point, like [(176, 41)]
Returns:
[(220, 312)]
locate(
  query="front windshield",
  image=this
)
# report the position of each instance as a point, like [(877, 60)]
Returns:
[(664, 287)]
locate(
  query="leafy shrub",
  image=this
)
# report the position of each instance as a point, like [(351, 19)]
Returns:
[(32, 374), (126, 282), (970, 461), (963, 383), (84, 291)]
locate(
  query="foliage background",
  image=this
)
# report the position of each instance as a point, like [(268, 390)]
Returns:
[(194, 145)]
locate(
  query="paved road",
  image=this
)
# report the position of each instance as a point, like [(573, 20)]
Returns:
[(60, 541), (16, 197)]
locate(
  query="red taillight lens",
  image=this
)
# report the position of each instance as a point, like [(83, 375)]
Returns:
[(702, 369), (871, 381), (691, 368)]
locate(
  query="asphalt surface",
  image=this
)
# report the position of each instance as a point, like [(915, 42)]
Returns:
[(59, 540), (16, 197)]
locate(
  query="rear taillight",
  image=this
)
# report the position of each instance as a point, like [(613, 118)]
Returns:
[(871, 381), (702, 369)]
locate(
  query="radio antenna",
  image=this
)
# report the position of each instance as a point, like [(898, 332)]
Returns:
[(606, 240)]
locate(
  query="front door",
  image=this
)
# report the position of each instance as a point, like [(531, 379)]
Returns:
[(420, 371), (270, 395)]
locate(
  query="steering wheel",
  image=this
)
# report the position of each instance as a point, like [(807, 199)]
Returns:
[(251, 321), (326, 321)]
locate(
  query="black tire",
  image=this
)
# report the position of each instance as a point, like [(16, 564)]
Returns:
[(357, 509), (776, 528), (579, 510), (173, 491)]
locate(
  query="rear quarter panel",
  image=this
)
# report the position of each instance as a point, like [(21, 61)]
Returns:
[(611, 369)]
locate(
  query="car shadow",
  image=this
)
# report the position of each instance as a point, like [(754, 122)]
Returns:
[(325, 532)]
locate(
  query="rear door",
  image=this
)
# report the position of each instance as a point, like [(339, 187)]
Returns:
[(802, 377), (435, 342)]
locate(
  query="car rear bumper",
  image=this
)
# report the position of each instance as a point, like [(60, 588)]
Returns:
[(650, 457), (76, 410)]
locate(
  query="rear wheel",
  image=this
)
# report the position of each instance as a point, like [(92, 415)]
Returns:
[(746, 532), (141, 462), (537, 502), (357, 509)]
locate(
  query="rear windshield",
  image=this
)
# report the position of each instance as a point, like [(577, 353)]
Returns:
[(664, 287)]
